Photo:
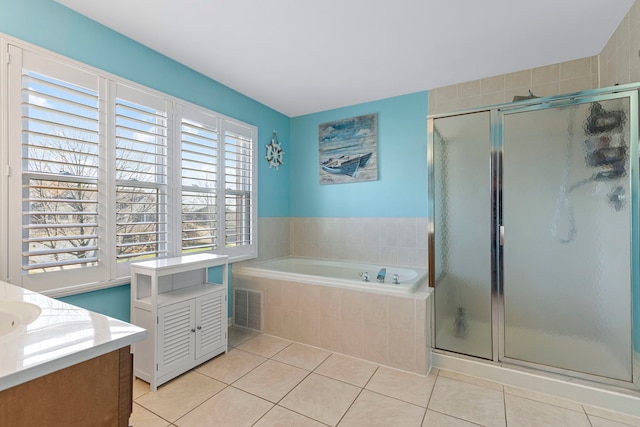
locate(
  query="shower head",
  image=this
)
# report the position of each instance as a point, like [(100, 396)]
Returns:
[(523, 98)]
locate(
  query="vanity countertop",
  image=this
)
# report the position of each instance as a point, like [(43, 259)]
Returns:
[(63, 335)]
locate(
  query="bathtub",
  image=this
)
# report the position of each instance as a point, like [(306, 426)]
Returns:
[(341, 274)]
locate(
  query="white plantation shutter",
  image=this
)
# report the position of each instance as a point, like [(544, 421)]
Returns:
[(60, 174), (54, 132), (101, 172), (141, 175), (199, 175), (239, 185)]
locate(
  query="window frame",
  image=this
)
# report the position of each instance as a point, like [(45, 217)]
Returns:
[(109, 272)]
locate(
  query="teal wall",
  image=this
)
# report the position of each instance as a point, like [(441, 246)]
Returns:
[(114, 302), (401, 188), (50, 25), (294, 189)]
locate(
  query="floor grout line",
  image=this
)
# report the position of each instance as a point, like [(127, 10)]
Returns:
[(376, 370)]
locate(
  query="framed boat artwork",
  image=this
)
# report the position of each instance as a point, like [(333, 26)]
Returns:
[(348, 150)]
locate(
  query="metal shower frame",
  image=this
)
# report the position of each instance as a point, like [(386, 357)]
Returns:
[(497, 113)]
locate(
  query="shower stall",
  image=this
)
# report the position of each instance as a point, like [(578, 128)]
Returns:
[(533, 249)]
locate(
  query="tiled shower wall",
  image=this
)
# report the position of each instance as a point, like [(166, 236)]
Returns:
[(620, 58), (391, 241), (617, 63), (555, 79)]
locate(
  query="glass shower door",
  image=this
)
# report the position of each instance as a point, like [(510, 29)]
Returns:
[(567, 236), (462, 269)]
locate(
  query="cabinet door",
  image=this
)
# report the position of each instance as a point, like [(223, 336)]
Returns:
[(176, 337), (211, 322)]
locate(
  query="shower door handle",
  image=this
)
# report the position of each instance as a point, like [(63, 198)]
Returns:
[(502, 235)]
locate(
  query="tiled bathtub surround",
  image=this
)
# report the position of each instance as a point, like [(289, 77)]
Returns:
[(390, 330), (391, 241), (273, 237)]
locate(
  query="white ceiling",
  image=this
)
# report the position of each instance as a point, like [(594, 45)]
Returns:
[(302, 56)]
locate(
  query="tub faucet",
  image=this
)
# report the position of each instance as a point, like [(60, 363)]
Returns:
[(365, 277), (396, 279), (381, 274)]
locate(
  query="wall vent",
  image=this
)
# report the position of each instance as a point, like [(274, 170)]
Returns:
[(247, 309)]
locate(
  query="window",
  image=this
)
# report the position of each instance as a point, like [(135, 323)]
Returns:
[(199, 171), (59, 174), (104, 172), (141, 126), (238, 184)]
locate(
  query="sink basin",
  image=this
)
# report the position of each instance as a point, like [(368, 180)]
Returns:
[(16, 314)]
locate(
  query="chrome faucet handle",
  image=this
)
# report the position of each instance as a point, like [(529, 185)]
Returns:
[(365, 276), (396, 279)]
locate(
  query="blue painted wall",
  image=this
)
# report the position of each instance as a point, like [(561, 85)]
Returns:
[(52, 26), (114, 302), (401, 188)]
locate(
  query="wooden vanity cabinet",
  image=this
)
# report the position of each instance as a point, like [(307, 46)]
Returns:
[(96, 393)]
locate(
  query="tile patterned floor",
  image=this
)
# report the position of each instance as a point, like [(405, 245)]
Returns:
[(264, 381)]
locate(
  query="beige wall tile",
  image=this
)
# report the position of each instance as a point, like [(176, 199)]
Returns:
[(411, 256), (329, 334), (376, 343), (546, 89), (290, 324), (273, 319), (352, 305), (352, 338), (519, 79), (576, 68), (309, 298), (595, 65), (273, 292), (493, 98), (402, 348), (545, 74), (492, 84), (576, 84), (433, 100), (290, 296), (622, 32), (376, 310), (401, 313), (309, 328), (634, 74), (468, 103), (330, 301), (467, 89), (448, 106), (448, 92), (388, 255)]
